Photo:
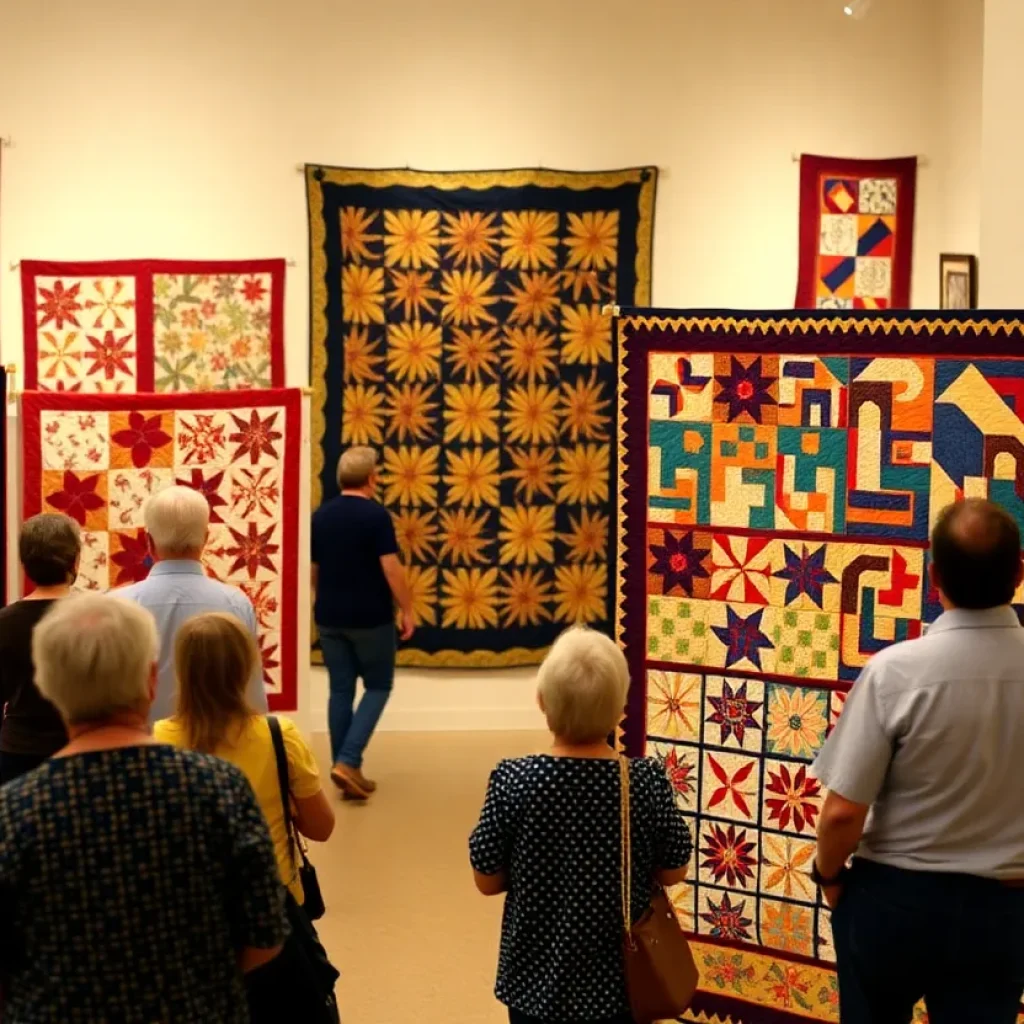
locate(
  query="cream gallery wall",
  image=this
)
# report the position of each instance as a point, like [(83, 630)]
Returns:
[(151, 130)]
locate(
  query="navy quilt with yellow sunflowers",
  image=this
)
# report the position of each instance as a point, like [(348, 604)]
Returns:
[(458, 328)]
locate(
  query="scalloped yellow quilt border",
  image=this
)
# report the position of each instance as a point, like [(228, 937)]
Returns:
[(830, 325)]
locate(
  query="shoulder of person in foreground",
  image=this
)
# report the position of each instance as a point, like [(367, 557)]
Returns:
[(12, 611), (199, 765), (237, 596), (13, 634), (130, 591), (509, 778), (517, 771), (854, 760), (490, 842), (20, 800), (253, 894), (673, 842), (230, 598), (226, 793)]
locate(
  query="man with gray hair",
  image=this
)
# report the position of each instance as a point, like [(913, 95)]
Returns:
[(358, 580), (177, 523)]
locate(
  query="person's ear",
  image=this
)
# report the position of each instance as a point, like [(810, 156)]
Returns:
[(936, 581), (1020, 574), (540, 703), (153, 675), (150, 546)]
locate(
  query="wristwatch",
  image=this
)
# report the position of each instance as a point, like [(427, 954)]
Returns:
[(820, 880)]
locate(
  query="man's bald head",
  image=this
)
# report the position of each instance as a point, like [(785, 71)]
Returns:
[(976, 556)]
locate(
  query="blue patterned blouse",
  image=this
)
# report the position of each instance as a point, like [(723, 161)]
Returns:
[(553, 824), (131, 879)]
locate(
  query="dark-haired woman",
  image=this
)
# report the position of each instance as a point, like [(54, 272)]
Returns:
[(49, 547)]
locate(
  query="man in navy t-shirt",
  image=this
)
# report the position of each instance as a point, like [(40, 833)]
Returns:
[(358, 580)]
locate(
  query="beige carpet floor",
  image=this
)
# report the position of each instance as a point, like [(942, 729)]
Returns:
[(415, 942)]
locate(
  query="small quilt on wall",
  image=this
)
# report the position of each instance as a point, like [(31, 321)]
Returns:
[(781, 476), (98, 458), (457, 327), (153, 325), (856, 233)]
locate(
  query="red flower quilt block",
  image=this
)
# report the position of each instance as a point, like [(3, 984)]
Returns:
[(153, 325), (99, 458)]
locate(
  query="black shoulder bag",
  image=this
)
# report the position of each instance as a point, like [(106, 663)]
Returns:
[(298, 984), (313, 903)]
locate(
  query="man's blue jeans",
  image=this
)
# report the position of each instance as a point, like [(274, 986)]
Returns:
[(351, 654), (957, 941)]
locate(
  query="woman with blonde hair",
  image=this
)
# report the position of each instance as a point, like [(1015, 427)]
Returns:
[(215, 657), (549, 837)]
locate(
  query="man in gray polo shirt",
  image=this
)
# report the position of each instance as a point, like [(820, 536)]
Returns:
[(925, 772)]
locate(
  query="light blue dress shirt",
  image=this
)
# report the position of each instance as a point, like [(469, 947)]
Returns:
[(173, 592), (932, 738)]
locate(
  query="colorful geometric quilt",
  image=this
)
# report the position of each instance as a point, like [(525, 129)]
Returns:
[(457, 327), (97, 458), (153, 325), (781, 475), (856, 233)]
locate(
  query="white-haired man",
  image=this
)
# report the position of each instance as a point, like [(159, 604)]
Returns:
[(177, 523), (358, 580)]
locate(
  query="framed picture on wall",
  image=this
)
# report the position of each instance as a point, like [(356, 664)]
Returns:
[(958, 281)]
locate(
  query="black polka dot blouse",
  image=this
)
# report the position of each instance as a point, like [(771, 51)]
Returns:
[(552, 824)]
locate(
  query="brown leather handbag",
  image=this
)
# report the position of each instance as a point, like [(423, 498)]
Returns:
[(661, 976)]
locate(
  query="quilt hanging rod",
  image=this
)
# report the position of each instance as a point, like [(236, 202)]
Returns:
[(922, 161), (14, 264), (662, 171)]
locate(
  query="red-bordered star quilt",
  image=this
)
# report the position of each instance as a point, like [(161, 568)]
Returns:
[(780, 477), (153, 325), (856, 233), (98, 458)]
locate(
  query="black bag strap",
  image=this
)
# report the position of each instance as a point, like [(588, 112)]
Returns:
[(281, 757)]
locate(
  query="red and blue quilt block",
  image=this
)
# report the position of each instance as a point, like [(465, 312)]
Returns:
[(856, 233)]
